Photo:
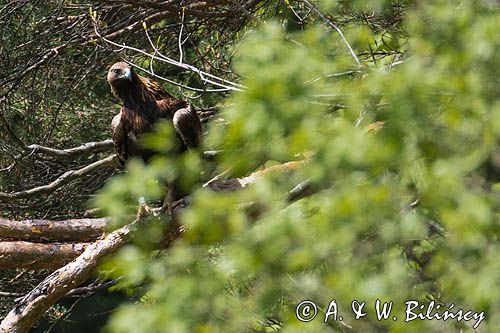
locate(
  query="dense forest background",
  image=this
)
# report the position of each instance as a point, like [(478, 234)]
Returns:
[(369, 129)]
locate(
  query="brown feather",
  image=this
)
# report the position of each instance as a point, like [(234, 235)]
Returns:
[(144, 103)]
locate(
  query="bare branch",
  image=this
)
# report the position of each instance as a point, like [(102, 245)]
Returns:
[(334, 26), (101, 146), (80, 292), (224, 86), (91, 289), (62, 180), (179, 41), (9, 294), (31, 307), (89, 147)]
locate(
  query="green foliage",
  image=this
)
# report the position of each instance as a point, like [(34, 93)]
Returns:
[(358, 238)]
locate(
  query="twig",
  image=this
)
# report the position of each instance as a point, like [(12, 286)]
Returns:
[(66, 314), (91, 289), (163, 58), (8, 294), (333, 25), (179, 42)]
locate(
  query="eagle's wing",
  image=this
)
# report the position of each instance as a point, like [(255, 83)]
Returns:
[(186, 122), (168, 106), (158, 92), (188, 126), (167, 103), (119, 138)]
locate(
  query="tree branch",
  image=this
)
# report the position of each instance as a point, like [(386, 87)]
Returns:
[(91, 289), (89, 147), (62, 180), (80, 292), (31, 307), (334, 26)]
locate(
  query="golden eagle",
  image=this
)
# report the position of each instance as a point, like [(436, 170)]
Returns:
[(144, 104)]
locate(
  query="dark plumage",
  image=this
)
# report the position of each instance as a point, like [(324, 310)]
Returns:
[(145, 103)]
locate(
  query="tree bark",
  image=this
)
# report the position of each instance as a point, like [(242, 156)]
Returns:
[(38, 256), (31, 307), (23, 248), (74, 230)]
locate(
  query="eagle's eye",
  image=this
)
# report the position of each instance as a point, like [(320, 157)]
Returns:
[(115, 71)]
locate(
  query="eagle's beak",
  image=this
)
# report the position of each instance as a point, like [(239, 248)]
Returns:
[(127, 73)]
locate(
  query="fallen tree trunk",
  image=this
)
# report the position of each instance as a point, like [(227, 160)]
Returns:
[(31, 307), (37, 256), (74, 230), (23, 248)]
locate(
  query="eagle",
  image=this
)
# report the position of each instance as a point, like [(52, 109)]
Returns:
[(144, 103)]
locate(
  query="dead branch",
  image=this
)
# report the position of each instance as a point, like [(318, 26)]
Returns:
[(100, 146), (62, 180), (233, 184), (91, 289), (68, 176), (74, 230), (36, 255), (80, 292), (9, 294), (89, 147), (32, 306)]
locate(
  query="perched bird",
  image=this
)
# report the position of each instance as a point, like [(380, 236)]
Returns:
[(144, 103)]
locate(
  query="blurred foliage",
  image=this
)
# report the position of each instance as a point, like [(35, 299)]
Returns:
[(53, 92), (432, 77), (401, 149)]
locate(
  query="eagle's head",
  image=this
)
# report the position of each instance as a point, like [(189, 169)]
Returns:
[(132, 88), (120, 74)]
